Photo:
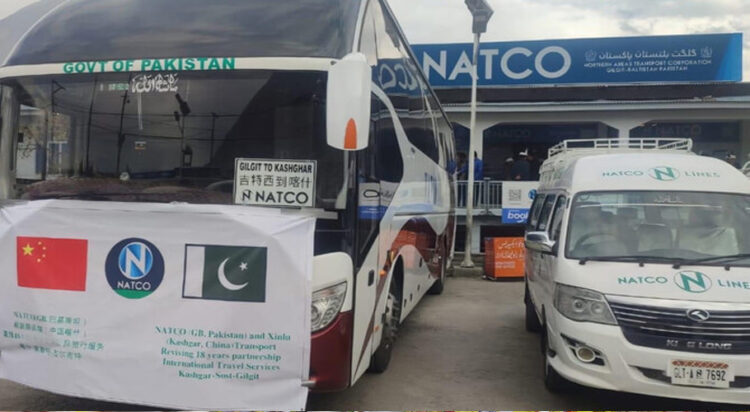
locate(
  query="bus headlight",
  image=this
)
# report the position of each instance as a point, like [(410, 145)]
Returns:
[(326, 304), (583, 305)]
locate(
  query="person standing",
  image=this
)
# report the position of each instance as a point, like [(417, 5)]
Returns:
[(521, 169), (461, 177), (462, 167), (478, 168), (507, 168), (534, 165)]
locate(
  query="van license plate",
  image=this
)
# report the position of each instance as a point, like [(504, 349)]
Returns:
[(700, 373)]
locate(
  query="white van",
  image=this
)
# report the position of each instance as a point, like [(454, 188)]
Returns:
[(638, 270)]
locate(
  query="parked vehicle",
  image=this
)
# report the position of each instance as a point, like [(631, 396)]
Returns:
[(637, 270), (157, 99)]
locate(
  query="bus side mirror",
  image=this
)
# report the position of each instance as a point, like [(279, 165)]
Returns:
[(348, 103)]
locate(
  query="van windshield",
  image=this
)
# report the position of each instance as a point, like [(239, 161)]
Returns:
[(660, 226)]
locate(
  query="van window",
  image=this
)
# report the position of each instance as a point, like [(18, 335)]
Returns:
[(536, 208), (549, 202), (557, 217)]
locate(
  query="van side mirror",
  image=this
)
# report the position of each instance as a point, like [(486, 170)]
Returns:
[(348, 103), (540, 242)]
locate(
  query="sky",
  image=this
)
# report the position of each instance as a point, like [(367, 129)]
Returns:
[(10, 6), (449, 21)]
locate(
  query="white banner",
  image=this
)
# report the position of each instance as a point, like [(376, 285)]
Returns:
[(274, 183), (179, 306)]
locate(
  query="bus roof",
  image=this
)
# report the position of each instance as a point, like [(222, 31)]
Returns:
[(645, 171), (97, 30)]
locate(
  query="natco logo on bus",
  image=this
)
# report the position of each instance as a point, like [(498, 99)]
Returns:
[(661, 173), (151, 65)]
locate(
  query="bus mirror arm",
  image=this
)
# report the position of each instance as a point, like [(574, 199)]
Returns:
[(348, 102)]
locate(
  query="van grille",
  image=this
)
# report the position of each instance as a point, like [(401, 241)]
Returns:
[(672, 329)]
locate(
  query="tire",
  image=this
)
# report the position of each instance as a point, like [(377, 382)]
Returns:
[(532, 320), (382, 356), (553, 381), (439, 285)]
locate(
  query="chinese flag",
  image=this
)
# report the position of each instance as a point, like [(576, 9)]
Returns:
[(45, 263)]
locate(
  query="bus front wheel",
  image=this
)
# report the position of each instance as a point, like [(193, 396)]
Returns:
[(382, 356)]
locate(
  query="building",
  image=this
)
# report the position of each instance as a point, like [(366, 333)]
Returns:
[(535, 94)]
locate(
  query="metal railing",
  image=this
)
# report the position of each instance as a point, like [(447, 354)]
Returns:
[(640, 143), (488, 195)]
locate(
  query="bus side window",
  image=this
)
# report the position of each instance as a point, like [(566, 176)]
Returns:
[(367, 41), (399, 76), (543, 224), (536, 208)]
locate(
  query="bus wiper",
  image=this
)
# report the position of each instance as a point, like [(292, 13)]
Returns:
[(730, 258), (99, 195), (77, 196)]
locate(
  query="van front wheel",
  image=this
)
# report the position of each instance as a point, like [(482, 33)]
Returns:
[(553, 381), (532, 320)]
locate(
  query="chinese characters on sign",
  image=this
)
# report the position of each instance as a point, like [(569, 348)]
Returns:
[(285, 183)]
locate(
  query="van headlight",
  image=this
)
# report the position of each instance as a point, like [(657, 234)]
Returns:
[(326, 304), (583, 305)]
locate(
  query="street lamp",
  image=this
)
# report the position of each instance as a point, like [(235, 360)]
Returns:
[(480, 13)]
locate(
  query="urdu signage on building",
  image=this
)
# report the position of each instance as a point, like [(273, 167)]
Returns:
[(621, 60)]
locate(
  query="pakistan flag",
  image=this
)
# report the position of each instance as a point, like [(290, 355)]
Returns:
[(225, 273)]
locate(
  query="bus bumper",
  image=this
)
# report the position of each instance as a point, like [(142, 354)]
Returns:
[(331, 354)]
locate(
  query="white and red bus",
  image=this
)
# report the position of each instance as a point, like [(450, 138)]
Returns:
[(153, 100)]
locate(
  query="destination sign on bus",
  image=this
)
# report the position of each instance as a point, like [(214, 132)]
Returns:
[(275, 183), (151, 65)]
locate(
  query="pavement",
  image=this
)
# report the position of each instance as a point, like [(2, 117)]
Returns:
[(464, 350)]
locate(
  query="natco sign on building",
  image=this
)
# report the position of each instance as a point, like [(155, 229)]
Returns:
[(654, 59)]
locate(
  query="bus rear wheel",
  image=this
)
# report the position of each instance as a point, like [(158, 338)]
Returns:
[(382, 356), (439, 285)]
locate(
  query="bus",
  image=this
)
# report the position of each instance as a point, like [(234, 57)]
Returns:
[(154, 101)]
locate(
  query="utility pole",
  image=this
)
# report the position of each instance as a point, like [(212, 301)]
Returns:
[(481, 13)]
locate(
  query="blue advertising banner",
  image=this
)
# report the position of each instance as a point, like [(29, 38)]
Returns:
[(617, 60)]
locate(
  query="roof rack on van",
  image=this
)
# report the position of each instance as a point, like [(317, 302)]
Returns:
[(610, 145)]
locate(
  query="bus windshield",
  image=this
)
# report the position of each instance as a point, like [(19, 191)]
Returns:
[(660, 226), (163, 137)]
